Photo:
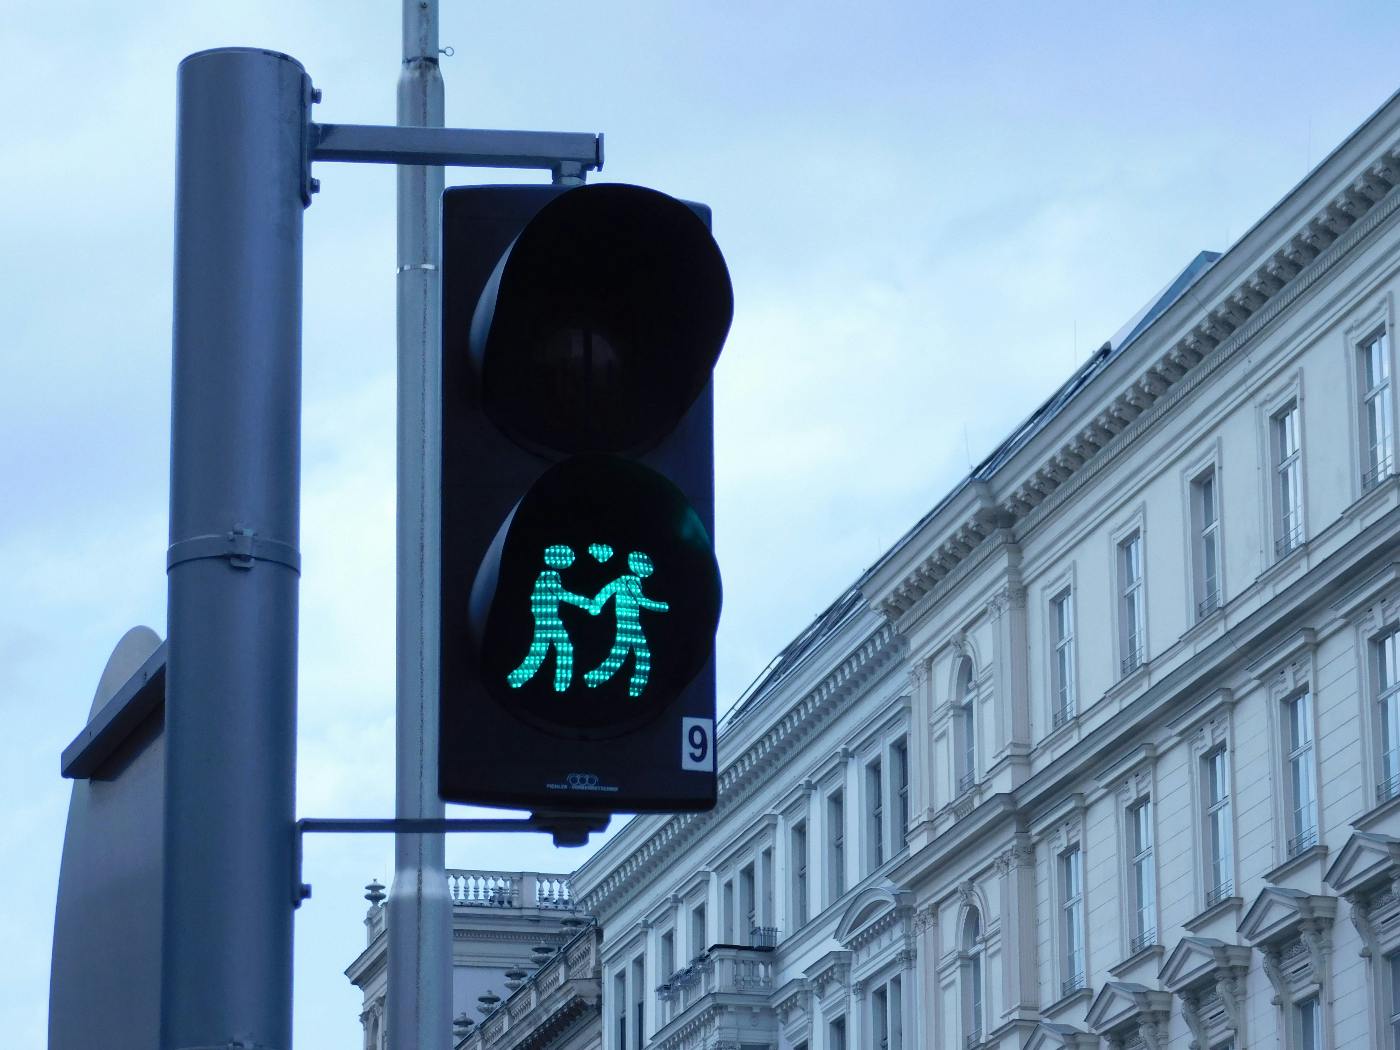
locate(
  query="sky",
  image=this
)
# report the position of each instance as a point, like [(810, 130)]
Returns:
[(932, 212)]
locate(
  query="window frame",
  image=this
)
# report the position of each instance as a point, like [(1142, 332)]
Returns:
[(1141, 855), (1298, 837), (1383, 666), (1206, 545), (1376, 407), (1064, 700), (1217, 825), (1073, 974), (1286, 477), (835, 851), (1130, 601)]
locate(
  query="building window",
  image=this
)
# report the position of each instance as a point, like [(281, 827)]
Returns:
[(1131, 611), (1385, 651), (668, 954), (698, 938), (1205, 543), (1288, 478), (886, 1020), (836, 844), (1072, 919), (1392, 966), (1143, 876), (620, 998), (767, 914), (1376, 416), (875, 813), (966, 726), (799, 874), (1307, 1025), (726, 932), (639, 1001), (899, 757), (972, 977), (1220, 864), (836, 1034), (748, 906), (1302, 775), (1062, 661)]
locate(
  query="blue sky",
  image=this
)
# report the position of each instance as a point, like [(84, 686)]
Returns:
[(932, 212)]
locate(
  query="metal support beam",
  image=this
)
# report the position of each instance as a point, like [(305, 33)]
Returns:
[(420, 909), (554, 151), (230, 708)]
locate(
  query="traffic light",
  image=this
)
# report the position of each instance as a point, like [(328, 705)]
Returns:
[(580, 591)]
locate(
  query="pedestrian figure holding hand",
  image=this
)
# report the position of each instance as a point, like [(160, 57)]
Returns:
[(628, 601)]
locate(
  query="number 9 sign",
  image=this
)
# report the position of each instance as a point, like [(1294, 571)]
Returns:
[(697, 745)]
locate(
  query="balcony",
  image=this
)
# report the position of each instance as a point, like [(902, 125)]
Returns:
[(1071, 984), (508, 889), (1375, 475), (1145, 939), (1219, 893), (966, 782), (1131, 661), (1290, 541), (568, 984), (1061, 716), (736, 974), (1209, 604), (1303, 841)]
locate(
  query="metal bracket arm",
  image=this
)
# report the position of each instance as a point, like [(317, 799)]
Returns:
[(564, 153), (567, 829)]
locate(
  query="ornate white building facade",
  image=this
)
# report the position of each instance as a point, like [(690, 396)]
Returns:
[(508, 929), (1106, 750)]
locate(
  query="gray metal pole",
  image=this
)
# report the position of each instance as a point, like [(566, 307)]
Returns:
[(226, 974), (420, 912)]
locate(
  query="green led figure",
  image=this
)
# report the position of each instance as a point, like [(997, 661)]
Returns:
[(549, 594), (628, 601)]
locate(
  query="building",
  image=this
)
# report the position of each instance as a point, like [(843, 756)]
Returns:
[(506, 928), (1106, 750)]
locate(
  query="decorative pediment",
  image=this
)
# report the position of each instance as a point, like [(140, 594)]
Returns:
[(792, 1003), (1367, 862), (1051, 1036), (1281, 912), (1208, 976), (1197, 960), (1123, 1010), (831, 972), (873, 911)]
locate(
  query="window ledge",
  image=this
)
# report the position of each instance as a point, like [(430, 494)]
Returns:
[(1062, 1004), (1292, 864), (1059, 732), (1376, 814), (1129, 681), (1284, 562), (1220, 907), (1150, 951)]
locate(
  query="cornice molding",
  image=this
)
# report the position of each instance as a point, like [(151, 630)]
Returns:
[(749, 770), (1236, 318)]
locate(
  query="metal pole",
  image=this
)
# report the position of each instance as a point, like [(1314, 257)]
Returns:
[(420, 912), (230, 715)]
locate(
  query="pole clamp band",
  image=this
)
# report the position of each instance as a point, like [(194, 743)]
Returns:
[(241, 546)]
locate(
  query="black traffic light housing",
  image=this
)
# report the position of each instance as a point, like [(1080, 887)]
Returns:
[(580, 330)]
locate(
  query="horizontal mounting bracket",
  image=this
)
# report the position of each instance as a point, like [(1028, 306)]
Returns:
[(568, 829), (565, 154)]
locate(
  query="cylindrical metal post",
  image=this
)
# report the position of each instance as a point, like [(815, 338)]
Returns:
[(420, 911), (230, 713)]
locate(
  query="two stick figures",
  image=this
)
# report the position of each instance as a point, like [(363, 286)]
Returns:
[(625, 593)]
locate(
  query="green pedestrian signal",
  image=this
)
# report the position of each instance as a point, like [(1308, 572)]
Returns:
[(627, 599)]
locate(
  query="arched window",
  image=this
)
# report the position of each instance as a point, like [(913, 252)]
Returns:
[(972, 977), (965, 701)]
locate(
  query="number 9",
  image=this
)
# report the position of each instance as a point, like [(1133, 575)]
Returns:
[(699, 743)]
